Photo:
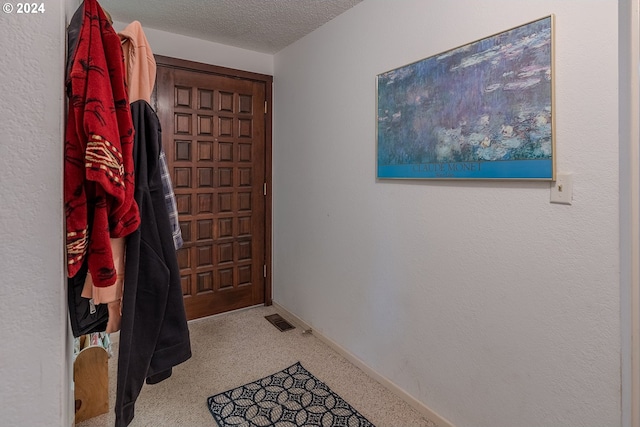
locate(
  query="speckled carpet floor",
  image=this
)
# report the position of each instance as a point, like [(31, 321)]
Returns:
[(237, 348)]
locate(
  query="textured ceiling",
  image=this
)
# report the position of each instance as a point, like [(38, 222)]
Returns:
[(260, 25)]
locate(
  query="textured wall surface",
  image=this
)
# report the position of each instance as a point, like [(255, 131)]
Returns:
[(33, 347), (482, 300)]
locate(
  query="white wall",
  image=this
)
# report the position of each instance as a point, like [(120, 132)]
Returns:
[(192, 49), (482, 300), (34, 346)]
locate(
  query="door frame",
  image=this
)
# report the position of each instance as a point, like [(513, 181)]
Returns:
[(634, 204), (267, 80), (629, 123)]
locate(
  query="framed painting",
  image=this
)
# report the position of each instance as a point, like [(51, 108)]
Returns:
[(480, 111)]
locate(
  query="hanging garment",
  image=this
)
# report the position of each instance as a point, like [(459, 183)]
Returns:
[(98, 167), (140, 75), (85, 316), (98, 161), (110, 296), (140, 65), (154, 335), (170, 202)]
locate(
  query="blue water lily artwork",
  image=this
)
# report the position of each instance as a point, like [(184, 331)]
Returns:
[(480, 111)]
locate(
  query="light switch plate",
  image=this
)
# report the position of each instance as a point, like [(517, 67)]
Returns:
[(562, 189)]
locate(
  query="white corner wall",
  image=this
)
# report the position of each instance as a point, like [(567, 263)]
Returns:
[(192, 49), (482, 300), (34, 348)]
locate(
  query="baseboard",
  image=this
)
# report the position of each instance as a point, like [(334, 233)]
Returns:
[(384, 381), (199, 319)]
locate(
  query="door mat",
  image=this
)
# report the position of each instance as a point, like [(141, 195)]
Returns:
[(291, 397)]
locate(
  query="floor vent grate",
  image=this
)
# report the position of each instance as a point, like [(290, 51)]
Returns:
[(277, 321)]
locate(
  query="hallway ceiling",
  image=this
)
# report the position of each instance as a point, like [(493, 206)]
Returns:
[(265, 26)]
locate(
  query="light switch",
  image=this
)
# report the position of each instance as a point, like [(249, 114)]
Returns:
[(562, 189)]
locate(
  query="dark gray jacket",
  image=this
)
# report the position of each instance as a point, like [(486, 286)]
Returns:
[(154, 335)]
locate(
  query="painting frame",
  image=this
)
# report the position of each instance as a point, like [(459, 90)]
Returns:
[(484, 110)]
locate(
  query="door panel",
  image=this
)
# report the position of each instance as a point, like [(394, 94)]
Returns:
[(214, 138)]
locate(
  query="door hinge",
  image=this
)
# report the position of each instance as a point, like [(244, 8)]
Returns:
[(265, 107), (264, 270), (264, 189)]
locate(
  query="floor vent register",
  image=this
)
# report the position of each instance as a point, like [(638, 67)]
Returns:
[(279, 322)]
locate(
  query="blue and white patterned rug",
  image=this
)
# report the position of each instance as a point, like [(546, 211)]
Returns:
[(292, 397)]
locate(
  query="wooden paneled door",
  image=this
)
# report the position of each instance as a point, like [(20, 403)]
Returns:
[(216, 135)]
